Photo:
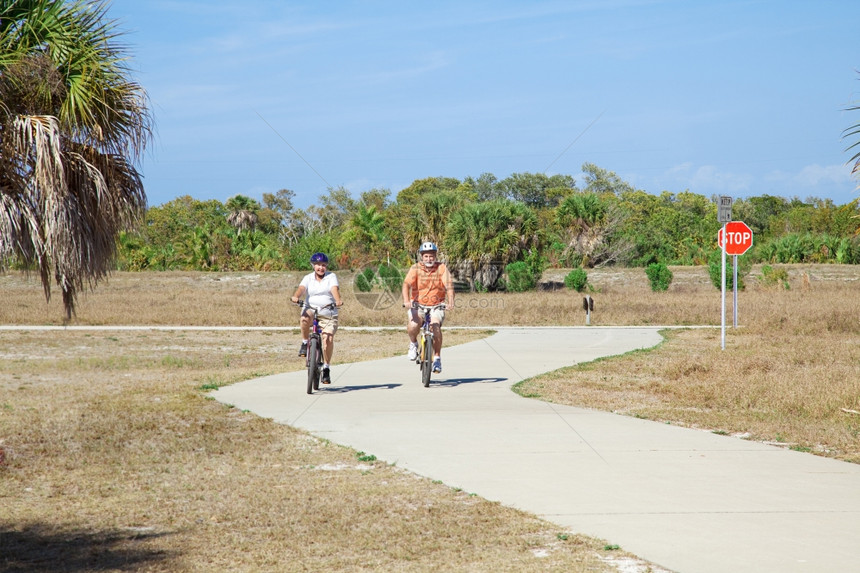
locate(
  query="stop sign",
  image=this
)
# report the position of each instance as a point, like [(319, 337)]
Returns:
[(740, 238)]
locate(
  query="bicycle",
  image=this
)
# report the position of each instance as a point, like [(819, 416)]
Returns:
[(425, 342), (315, 353)]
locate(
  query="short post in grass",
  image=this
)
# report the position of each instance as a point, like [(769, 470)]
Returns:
[(588, 307)]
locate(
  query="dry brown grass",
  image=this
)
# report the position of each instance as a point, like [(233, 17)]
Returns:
[(262, 299), (622, 297), (114, 459), (790, 374)]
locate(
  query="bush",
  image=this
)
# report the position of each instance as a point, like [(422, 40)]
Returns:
[(715, 269), (521, 277), (659, 276), (577, 279), (386, 277), (299, 256), (774, 276), (391, 277), (810, 248), (364, 279)]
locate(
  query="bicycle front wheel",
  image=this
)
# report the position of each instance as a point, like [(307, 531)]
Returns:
[(421, 350), (427, 360), (313, 365)]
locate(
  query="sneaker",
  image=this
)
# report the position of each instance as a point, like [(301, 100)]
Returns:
[(437, 365), (303, 349), (413, 351), (326, 377)]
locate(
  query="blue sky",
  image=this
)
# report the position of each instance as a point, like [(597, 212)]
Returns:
[(736, 98)]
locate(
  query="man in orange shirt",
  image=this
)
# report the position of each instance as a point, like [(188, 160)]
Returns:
[(429, 283)]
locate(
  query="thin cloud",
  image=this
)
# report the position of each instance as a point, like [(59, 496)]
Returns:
[(709, 177), (430, 62), (702, 179), (813, 175)]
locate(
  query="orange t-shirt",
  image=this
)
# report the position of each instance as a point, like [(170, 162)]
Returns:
[(428, 285)]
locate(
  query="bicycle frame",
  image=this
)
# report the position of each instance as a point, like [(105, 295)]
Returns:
[(425, 343), (315, 350)]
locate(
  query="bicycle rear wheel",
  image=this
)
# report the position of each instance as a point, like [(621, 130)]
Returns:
[(313, 365), (426, 360)]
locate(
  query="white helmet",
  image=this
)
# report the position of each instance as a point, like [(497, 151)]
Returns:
[(427, 247)]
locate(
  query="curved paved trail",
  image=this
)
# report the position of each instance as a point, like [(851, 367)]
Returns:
[(687, 500)]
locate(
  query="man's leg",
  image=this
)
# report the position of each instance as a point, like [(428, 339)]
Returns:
[(413, 325), (437, 338), (437, 346)]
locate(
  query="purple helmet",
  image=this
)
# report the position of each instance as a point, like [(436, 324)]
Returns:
[(319, 258)]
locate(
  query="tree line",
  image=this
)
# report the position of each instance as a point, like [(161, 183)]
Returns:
[(484, 224), (74, 124)]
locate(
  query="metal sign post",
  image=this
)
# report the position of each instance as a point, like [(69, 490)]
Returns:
[(735, 291), (723, 293), (724, 215), (735, 238), (588, 307)]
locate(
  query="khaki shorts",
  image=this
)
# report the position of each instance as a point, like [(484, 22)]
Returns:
[(328, 324), (436, 316)]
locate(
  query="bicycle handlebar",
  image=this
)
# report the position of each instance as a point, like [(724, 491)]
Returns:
[(331, 306), (440, 306)]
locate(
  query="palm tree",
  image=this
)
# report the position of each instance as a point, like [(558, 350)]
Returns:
[(72, 126), (581, 218), (588, 223), (430, 214), (854, 131), (367, 232), (243, 212), (481, 238)]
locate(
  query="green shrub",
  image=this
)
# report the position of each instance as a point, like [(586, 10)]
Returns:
[(521, 277), (715, 269), (387, 277), (577, 279), (299, 256), (536, 264), (391, 277), (659, 276), (774, 276), (810, 248), (364, 279)]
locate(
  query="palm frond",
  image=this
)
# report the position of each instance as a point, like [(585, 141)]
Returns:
[(68, 185), (853, 132)]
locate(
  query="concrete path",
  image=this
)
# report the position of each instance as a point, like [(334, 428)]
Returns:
[(687, 500)]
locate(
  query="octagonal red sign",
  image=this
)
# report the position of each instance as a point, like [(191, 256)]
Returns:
[(740, 238)]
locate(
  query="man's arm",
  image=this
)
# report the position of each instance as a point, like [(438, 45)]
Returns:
[(406, 291), (449, 287)]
